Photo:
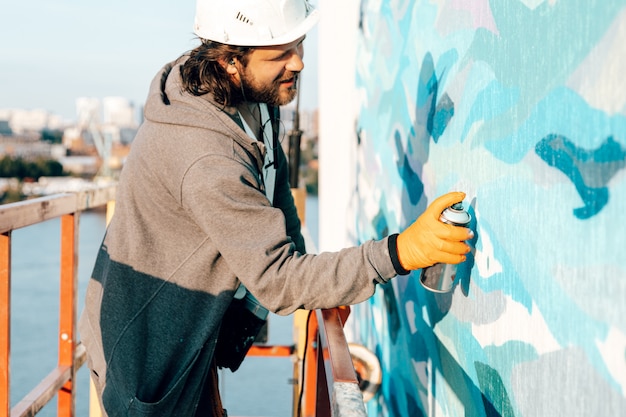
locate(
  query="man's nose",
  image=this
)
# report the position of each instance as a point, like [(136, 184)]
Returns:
[(295, 63)]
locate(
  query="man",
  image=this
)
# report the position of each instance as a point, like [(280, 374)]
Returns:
[(204, 206)]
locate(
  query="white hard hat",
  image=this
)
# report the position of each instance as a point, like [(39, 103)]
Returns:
[(254, 22)]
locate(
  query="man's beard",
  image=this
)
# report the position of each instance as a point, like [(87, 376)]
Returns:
[(268, 93)]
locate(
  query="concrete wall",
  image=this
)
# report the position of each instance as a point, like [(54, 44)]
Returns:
[(522, 105)]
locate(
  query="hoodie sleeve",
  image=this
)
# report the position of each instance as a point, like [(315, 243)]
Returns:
[(223, 196)]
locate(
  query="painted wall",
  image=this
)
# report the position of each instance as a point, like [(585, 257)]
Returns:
[(522, 105)]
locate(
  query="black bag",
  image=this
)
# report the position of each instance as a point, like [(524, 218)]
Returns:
[(240, 328)]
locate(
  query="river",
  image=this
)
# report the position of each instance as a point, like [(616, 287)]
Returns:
[(260, 387)]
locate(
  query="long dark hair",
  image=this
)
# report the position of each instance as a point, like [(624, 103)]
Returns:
[(202, 73)]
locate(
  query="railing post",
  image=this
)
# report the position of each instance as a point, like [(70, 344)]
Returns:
[(5, 322), (300, 320), (67, 311), (338, 392), (322, 400), (309, 377)]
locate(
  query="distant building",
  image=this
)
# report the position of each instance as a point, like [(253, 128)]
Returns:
[(88, 110), (29, 147), (80, 165), (111, 120), (55, 185), (5, 128), (95, 144), (72, 137), (119, 111), (21, 121)]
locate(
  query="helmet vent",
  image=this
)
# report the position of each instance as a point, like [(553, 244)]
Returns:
[(242, 17)]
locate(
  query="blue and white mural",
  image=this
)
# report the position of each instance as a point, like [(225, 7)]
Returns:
[(522, 105)]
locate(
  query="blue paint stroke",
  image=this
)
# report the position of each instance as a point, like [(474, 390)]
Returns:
[(413, 185), (393, 314), (441, 118), (589, 170), (495, 397), (548, 117), (431, 117), (402, 402), (379, 222), (529, 65)]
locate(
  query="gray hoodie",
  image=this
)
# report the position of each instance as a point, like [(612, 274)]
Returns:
[(191, 224)]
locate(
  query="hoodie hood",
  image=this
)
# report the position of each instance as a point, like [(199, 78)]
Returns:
[(169, 103)]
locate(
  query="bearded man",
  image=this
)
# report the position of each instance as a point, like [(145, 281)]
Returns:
[(204, 211)]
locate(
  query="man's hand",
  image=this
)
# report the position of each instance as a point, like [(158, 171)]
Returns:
[(429, 241)]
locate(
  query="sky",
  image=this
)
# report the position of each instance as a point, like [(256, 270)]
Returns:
[(52, 52)]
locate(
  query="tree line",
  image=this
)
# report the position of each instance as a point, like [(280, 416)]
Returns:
[(23, 169)]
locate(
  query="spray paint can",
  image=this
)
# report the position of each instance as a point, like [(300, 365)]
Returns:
[(440, 277)]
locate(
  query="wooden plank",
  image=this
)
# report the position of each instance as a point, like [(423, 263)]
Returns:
[(48, 387), (80, 355), (28, 212), (334, 339), (95, 197), (342, 386), (43, 393)]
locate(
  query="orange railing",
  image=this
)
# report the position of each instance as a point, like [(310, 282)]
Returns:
[(330, 369), (326, 382), (71, 355)]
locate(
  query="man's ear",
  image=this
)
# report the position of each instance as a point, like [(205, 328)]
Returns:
[(230, 66)]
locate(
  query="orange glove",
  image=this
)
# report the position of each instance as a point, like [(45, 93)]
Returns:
[(429, 241)]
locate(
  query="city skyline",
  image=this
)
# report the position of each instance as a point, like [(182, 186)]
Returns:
[(58, 52)]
